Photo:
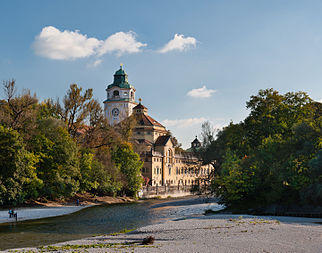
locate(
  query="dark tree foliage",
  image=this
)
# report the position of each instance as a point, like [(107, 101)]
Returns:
[(274, 155), (18, 179)]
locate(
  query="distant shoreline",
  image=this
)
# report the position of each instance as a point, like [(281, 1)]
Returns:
[(84, 199)]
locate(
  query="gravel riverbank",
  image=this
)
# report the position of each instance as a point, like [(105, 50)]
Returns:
[(213, 233)]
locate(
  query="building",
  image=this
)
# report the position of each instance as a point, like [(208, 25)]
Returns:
[(163, 166), (120, 99)]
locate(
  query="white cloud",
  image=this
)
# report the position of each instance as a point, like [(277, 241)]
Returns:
[(66, 45), (69, 45), (95, 63), (183, 123), (121, 43), (202, 92), (179, 43), (320, 100)]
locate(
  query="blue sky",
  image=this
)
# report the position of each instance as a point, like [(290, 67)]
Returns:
[(224, 52)]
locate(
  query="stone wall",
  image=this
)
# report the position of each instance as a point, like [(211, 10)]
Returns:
[(165, 191)]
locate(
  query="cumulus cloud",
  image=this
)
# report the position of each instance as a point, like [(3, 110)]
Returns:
[(179, 43), (69, 45), (121, 43), (183, 123), (202, 92), (66, 45)]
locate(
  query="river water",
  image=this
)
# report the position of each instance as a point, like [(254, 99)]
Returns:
[(98, 220)]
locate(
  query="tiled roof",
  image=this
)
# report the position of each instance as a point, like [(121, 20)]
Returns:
[(162, 140), (146, 120)]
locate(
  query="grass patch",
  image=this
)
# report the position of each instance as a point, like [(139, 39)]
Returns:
[(262, 221), (123, 231), (91, 246)]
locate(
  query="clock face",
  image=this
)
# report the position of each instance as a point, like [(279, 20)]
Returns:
[(115, 112)]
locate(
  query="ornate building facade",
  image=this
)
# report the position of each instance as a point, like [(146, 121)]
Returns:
[(120, 99), (162, 165)]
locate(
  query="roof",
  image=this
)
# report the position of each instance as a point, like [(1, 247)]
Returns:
[(120, 72), (140, 106), (146, 120), (141, 141), (162, 140), (120, 80), (196, 141)]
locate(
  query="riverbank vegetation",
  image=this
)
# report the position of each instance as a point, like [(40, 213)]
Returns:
[(273, 157), (51, 149)]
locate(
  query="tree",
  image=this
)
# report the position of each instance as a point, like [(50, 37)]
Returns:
[(18, 179), (58, 164), (270, 157), (75, 109), (18, 111), (130, 165), (207, 134)]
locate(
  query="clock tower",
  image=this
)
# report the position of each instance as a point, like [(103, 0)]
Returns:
[(120, 98)]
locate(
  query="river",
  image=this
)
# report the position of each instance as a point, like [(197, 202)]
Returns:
[(99, 220)]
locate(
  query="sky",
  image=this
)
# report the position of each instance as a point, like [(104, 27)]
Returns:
[(190, 61)]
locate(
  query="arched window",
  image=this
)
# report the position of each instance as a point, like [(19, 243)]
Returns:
[(116, 93), (132, 95)]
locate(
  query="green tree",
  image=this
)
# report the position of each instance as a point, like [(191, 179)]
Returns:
[(274, 151), (18, 179), (130, 165), (58, 164)]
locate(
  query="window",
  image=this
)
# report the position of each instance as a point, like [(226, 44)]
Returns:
[(116, 93), (169, 171)]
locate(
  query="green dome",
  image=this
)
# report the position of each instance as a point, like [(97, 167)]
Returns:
[(120, 72), (120, 79)]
